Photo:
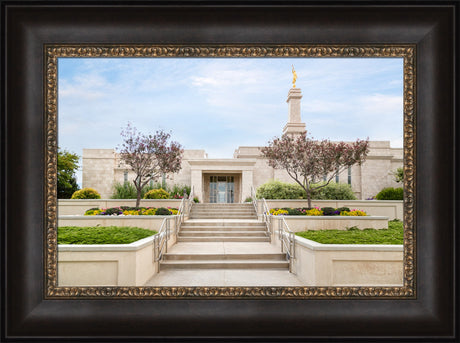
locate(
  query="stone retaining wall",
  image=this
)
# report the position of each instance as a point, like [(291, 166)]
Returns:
[(145, 222), (77, 207), (348, 265), (304, 223), (107, 264), (393, 209)]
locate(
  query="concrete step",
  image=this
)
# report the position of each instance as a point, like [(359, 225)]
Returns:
[(222, 228), (222, 233), (223, 239), (207, 257), (204, 211), (222, 216), (235, 208), (228, 264), (217, 222), (208, 204)]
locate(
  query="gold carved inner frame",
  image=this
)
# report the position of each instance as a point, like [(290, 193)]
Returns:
[(53, 52)]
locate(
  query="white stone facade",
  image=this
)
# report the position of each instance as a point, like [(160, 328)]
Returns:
[(102, 167)]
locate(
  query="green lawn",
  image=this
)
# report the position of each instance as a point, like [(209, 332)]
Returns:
[(101, 234), (392, 235)]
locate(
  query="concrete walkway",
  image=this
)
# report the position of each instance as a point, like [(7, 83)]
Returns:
[(224, 245), (224, 277)]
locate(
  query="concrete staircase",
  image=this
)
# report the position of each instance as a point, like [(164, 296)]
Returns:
[(223, 231), (223, 211), (223, 236)]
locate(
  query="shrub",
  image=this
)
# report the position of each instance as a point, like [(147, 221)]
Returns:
[(93, 212), (156, 194), (390, 193), (113, 210), (177, 191), (334, 191), (86, 193), (248, 199), (127, 190), (196, 200), (162, 212), (342, 209), (329, 211), (294, 211), (280, 190)]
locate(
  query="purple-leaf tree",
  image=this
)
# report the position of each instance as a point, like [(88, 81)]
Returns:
[(306, 160), (149, 156)]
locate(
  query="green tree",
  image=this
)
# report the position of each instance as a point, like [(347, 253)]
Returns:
[(399, 175), (306, 159), (67, 165), (149, 156)]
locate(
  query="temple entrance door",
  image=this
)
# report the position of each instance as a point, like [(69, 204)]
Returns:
[(222, 189)]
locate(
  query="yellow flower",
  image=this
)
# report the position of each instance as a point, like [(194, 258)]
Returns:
[(353, 213), (314, 212), (278, 212)]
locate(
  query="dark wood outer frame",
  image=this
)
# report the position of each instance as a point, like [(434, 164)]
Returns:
[(27, 313)]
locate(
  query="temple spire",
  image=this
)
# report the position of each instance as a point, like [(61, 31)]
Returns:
[(294, 125)]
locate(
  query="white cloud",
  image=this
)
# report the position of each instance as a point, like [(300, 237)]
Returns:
[(220, 104)]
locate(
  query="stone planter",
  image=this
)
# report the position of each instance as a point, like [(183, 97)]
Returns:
[(304, 223), (393, 209), (145, 222), (77, 207)]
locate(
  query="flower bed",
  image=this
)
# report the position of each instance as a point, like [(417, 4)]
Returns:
[(131, 211), (316, 211)]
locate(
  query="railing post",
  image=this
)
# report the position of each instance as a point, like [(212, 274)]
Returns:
[(280, 233), (168, 224)]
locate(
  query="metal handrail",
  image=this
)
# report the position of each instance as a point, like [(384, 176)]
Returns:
[(254, 200), (265, 212), (267, 217), (190, 200), (287, 239), (160, 241), (180, 215)]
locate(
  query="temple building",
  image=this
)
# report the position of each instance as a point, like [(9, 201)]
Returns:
[(230, 180)]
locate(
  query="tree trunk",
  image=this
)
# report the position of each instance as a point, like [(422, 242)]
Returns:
[(308, 191), (309, 198), (138, 200)]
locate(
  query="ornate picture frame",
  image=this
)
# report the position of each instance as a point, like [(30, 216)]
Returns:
[(35, 308), (53, 53)]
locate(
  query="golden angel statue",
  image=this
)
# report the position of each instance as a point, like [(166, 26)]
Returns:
[(294, 77)]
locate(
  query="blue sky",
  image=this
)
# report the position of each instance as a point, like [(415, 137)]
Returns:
[(218, 104)]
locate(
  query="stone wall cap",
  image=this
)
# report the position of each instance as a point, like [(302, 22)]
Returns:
[(351, 201), (116, 200), (83, 217), (331, 217), (347, 247)]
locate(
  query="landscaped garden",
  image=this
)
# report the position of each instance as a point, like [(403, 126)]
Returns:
[(127, 190), (393, 235), (316, 211), (101, 234), (132, 211)]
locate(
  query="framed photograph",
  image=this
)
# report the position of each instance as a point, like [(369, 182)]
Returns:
[(53, 52)]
